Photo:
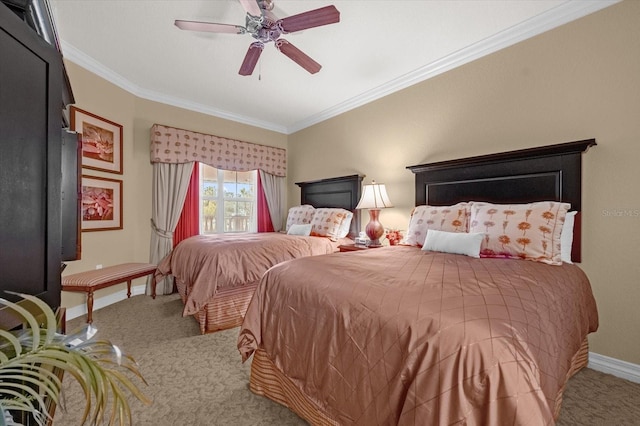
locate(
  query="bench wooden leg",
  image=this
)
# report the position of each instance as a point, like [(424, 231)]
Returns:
[(89, 306), (128, 288)]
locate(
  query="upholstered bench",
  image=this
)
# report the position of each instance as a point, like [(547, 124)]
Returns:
[(96, 279)]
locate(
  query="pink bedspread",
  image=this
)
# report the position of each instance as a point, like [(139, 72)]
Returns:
[(208, 263), (402, 336)]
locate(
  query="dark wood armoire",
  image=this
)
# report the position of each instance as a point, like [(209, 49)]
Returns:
[(34, 92)]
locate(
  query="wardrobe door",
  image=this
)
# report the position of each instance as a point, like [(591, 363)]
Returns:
[(71, 195), (30, 161)]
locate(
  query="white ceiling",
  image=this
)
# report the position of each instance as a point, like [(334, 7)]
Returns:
[(377, 48)]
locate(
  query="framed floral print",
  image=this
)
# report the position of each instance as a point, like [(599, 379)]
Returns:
[(101, 203), (101, 141)]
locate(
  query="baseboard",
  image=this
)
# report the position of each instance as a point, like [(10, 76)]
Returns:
[(101, 302), (605, 364), (615, 367)]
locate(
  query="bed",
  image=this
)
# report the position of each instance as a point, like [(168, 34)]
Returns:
[(216, 275), (403, 335)]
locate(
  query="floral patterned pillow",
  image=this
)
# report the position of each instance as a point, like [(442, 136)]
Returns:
[(520, 231), (345, 226), (441, 218), (327, 222), (300, 215)]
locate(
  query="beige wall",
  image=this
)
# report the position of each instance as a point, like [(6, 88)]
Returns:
[(576, 82), (137, 115)]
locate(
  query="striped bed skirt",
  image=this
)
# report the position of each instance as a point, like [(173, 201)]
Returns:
[(225, 310)]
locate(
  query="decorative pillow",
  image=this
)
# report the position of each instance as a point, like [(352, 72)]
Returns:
[(566, 239), (298, 229), (345, 226), (327, 222), (441, 218), (300, 215), (454, 242), (525, 231)]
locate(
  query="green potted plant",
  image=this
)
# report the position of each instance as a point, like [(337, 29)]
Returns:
[(33, 357)]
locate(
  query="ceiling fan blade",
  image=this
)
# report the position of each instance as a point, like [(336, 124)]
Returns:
[(251, 7), (298, 56), (209, 27), (251, 58), (313, 18)]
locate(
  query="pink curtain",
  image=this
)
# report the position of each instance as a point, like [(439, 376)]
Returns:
[(177, 146), (264, 218), (189, 222)]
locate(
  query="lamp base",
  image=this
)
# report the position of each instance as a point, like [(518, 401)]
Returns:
[(374, 229)]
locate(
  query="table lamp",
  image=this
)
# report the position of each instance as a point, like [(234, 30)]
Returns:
[(374, 197)]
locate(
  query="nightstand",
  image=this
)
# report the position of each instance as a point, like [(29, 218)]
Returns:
[(354, 247)]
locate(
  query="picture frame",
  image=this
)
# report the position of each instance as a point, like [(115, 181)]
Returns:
[(101, 141), (101, 205)]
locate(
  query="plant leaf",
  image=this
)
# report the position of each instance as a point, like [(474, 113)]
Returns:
[(30, 355)]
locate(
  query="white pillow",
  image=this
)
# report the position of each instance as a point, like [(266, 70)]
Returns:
[(345, 226), (566, 238), (299, 229), (454, 242)]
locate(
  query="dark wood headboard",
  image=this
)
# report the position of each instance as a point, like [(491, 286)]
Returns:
[(552, 172), (342, 192)]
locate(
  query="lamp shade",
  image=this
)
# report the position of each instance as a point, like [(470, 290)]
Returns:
[(374, 196)]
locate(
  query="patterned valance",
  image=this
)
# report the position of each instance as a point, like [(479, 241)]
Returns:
[(171, 145)]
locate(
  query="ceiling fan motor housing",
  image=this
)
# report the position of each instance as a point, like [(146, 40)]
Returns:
[(265, 28)]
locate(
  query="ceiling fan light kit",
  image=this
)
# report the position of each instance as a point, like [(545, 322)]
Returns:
[(265, 27)]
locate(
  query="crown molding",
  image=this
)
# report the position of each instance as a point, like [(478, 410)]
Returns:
[(560, 15), (85, 61)]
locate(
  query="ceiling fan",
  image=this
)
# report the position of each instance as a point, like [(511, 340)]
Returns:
[(265, 27)]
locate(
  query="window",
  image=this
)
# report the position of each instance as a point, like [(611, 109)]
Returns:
[(227, 201)]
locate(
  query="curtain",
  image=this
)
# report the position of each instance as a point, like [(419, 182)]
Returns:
[(169, 189), (264, 218), (274, 192), (173, 152), (176, 146), (189, 222)]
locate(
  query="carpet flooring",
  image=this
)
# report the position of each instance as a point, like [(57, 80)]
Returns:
[(196, 379)]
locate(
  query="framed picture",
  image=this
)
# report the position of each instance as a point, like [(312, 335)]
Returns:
[(101, 141), (101, 203)]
